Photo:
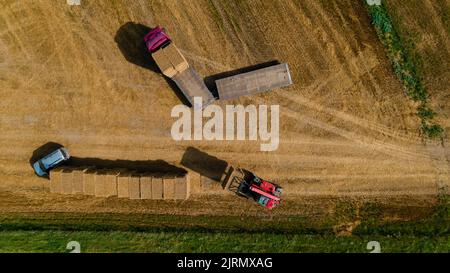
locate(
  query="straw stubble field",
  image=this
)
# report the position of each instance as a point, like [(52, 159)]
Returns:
[(77, 75)]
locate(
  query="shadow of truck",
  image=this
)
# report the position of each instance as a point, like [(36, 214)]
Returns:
[(130, 41)]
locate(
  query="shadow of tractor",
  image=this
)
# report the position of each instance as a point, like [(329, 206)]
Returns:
[(212, 168)]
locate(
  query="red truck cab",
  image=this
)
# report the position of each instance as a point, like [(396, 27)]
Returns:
[(156, 39)]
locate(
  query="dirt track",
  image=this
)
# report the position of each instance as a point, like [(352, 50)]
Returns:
[(79, 76)]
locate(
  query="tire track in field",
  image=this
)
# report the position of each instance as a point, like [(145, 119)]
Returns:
[(342, 115), (436, 19), (331, 36), (6, 14), (441, 162), (304, 50), (378, 145), (140, 146), (369, 143), (252, 156), (200, 59)]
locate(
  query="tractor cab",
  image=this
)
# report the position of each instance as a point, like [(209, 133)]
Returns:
[(262, 191)]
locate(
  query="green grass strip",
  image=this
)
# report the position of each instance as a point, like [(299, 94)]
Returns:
[(405, 67), (174, 242)]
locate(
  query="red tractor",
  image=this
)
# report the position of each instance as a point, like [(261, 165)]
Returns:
[(264, 192)]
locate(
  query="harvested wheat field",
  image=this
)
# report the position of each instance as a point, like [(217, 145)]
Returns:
[(80, 76)]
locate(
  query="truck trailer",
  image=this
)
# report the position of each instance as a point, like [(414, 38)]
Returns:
[(174, 66)]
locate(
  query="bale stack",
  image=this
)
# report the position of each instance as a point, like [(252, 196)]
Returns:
[(66, 181), (182, 189), (77, 181), (105, 183), (157, 188), (169, 188), (121, 183), (134, 186), (89, 181), (55, 180), (146, 187)]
